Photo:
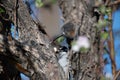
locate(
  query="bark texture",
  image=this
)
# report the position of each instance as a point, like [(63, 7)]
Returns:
[(84, 65), (33, 51), (32, 47)]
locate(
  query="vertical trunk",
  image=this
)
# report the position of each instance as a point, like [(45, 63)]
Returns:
[(84, 65), (31, 47), (38, 58)]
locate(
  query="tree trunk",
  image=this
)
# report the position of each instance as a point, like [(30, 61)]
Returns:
[(84, 65), (33, 51), (32, 47)]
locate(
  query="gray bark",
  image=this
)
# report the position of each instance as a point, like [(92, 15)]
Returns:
[(84, 65), (39, 59), (32, 49)]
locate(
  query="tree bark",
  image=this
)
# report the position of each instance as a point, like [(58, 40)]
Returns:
[(84, 65), (32, 48)]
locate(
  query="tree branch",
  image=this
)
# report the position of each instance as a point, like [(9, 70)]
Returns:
[(112, 53)]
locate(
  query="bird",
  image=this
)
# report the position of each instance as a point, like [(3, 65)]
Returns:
[(69, 30), (65, 38), (50, 18)]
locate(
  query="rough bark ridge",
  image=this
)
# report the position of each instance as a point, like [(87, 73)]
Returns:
[(38, 59), (84, 65), (32, 48)]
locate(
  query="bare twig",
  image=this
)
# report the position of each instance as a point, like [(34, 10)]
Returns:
[(15, 13), (118, 73), (114, 3), (112, 54), (107, 2)]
